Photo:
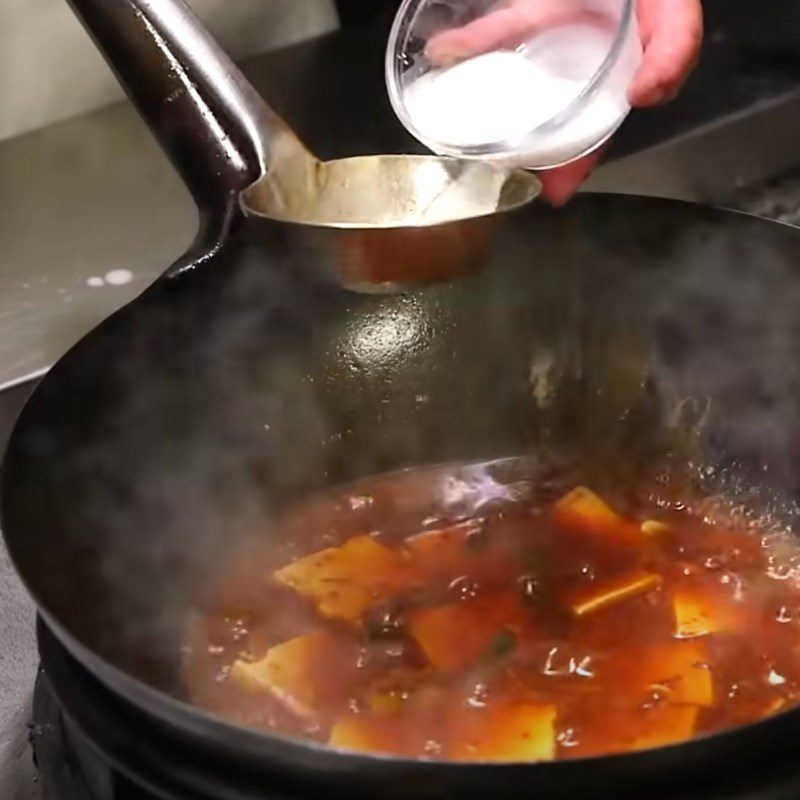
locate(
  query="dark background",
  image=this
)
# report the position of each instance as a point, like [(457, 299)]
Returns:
[(751, 53)]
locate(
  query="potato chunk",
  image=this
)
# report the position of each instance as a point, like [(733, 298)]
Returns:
[(596, 598), (583, 510), (518, 732), (346, 581), (296, 672), (457, 635)]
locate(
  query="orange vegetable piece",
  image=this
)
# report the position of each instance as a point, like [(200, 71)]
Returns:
[(457, 635), (699, 614), (680, 668), (362, 733), (346, 581), (519, 732), (295, 671), (584, 510), (596, 598)]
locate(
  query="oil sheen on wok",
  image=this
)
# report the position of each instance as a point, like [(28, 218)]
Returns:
[(503, 620)]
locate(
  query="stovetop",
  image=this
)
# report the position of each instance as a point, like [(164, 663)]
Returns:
[(65, 767)]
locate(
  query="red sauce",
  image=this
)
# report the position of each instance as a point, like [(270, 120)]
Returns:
[(451, 614)]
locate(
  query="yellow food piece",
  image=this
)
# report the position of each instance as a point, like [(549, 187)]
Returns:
[(699, 615), (679, 667), (290, 671), (385, 703), (664, 725), (602, 597), (388, 695), (583, 509), (346, 581), (522, 732), (457, 635), (368, 734), (775, 706), (654, 527)]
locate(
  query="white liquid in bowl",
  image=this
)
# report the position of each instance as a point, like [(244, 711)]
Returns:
[(502, 96)]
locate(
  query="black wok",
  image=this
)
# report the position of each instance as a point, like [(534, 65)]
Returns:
[(622, 331)]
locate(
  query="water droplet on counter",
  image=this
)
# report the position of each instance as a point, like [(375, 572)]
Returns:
[(119, 277)]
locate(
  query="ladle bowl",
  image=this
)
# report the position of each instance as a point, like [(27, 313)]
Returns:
[(385, 220)]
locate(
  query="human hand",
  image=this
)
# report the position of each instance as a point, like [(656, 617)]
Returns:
[(671, 31)]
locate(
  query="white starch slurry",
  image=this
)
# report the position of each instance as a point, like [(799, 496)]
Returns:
[(503, 96)]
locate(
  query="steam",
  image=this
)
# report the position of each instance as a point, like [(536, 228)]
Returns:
[(182, 431)]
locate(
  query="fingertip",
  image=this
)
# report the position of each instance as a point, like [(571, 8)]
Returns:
[(647, 90), (559, 185), (557, 194)]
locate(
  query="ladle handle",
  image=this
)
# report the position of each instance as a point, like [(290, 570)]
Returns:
[(216, 129)]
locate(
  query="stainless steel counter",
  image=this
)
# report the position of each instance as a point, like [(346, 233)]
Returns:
[(79, 200)]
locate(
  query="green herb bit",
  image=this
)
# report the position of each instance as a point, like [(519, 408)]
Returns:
[(501, 646)]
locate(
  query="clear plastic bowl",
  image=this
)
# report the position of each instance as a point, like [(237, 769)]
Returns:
[(531, 83)]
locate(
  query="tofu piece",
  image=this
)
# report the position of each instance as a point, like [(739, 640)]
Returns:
[(665, 725), (775, 706), (634, 727), (448, 553), (521, 732), (366, 734), (445, 551), (455, 636), (597, 598), (390, 693), (295, 672), (680, 668), (700, 613), (346, 581), (583, 510)]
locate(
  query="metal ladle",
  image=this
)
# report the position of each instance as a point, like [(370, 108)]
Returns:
[(376, 220)]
